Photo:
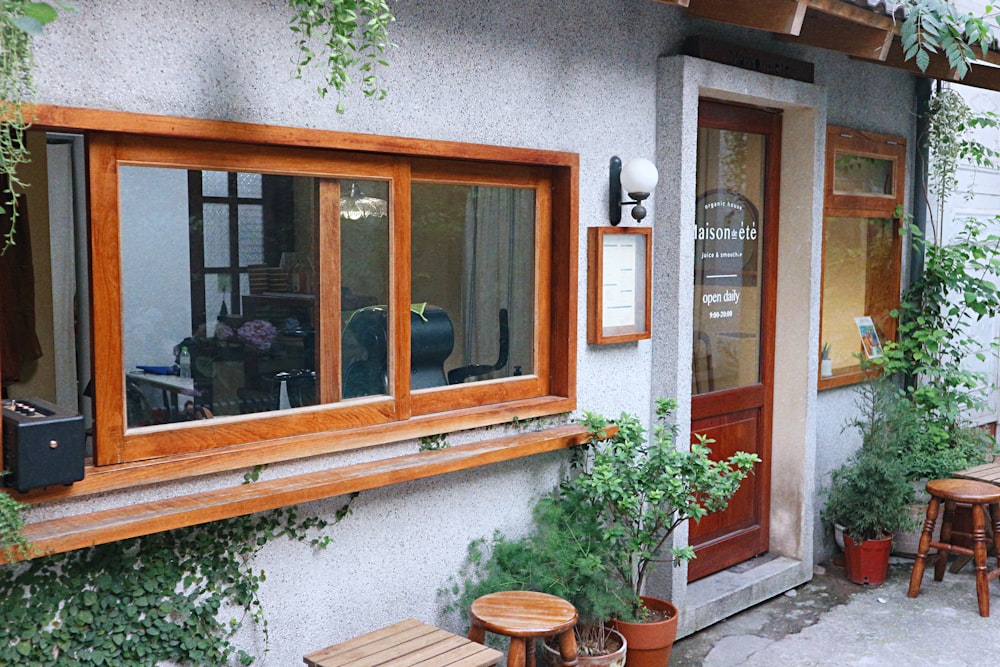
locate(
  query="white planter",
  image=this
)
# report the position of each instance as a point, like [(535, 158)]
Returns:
[(826, 367)]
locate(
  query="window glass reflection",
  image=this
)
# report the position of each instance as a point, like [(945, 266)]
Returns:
[(221, 293), (474, 266)]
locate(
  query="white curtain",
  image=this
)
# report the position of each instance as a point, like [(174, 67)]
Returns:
[(499, 272)]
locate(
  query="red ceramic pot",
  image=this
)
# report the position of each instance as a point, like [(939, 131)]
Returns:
[(649, 644), (868, 562)]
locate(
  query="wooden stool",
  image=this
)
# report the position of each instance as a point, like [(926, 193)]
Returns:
[(522, 616), (978, 495)]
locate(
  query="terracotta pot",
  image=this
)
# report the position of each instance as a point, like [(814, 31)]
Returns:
[(614, 659), (649, 644), (868, 562)]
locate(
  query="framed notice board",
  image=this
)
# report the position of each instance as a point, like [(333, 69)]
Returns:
[(618, 291)]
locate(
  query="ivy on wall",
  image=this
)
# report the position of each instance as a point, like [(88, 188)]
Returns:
[(178, 596)]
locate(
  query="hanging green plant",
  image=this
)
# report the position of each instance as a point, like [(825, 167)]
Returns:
[(20, 22), (342, 36)]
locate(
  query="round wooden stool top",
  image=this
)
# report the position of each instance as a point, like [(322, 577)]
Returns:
[(523, 614), (964, 491)]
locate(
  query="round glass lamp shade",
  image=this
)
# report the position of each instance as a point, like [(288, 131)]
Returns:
[(639, 175)]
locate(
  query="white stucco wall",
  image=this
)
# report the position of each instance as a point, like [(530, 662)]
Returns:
[(563, 75)]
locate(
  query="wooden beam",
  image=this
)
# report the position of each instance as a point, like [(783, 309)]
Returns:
[(120, 523), (979, 76), (829, 31), (781, 16)]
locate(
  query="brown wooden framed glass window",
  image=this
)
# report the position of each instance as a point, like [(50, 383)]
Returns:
[(300, 317), (865, 175)]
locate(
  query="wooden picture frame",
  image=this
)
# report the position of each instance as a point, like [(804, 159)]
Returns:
[(620, 277)]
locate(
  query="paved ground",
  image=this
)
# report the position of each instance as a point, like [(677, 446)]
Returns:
[(830, 621)]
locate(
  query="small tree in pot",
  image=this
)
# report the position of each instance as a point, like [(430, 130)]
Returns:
[(640, 490)]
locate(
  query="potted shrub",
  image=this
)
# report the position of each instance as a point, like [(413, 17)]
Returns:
[(640, 490), (563, 555), (596, 538), (923, 444), (870, 498)]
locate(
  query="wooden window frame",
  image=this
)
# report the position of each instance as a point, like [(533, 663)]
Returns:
[(840, 140), (171, 452)]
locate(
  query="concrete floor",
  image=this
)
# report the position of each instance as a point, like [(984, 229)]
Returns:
[(831, 621)]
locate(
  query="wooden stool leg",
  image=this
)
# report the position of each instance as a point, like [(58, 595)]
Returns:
[(517, 654), (979, 549), (567, 649), (477, 633), (924, 546), (942, 556), (995, 525)]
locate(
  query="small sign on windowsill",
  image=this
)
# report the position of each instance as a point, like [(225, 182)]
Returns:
[(618, 297), (869, 337)]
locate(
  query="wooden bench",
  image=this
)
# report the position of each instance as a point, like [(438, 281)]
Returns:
[(404, 644)]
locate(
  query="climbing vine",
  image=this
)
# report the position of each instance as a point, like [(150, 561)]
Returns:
[(341, 36), (178, 596)]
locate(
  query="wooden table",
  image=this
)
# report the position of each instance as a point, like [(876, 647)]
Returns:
[(406, 643), (987, 472)]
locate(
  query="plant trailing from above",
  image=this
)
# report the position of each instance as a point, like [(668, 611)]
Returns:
[(642, 490), (340, 36), (933, 26), (20, 22)]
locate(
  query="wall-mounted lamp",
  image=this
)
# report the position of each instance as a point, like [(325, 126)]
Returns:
[(637, 178)]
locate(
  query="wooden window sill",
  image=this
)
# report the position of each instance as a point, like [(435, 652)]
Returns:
[(101, 479), (120, 523)]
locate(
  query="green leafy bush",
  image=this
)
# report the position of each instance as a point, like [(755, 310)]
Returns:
[(641, 491), (596, 537), (869, 496)]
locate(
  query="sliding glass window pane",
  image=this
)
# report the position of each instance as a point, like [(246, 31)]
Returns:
[(364, 291), (250, 341), (474, 268), (249, 185)]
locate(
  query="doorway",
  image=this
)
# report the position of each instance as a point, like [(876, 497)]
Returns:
[(735, 281)]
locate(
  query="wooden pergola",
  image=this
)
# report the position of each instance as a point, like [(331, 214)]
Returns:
[(859, 28)]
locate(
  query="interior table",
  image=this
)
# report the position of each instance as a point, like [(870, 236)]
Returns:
[(406, 644)]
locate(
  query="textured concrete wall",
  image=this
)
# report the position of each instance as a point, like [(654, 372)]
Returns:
[(564, 75)]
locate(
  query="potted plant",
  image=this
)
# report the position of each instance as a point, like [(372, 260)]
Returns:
[(597, 537), (825, 362), (922, 443), (870, 498), (640, 490), (563, 555)]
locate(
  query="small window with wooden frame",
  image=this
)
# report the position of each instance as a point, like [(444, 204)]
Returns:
[(865, 174)]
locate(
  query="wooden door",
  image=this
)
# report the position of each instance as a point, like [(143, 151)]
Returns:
[(733, 343)]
